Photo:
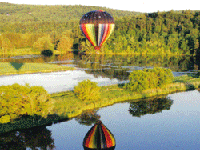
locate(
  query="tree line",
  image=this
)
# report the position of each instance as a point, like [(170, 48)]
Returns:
[(159, 33), (172, 32)]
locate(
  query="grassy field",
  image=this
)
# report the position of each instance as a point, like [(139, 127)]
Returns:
[(7, 69), (29, 51)]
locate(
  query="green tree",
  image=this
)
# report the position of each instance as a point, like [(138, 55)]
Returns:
[(43, 43), (7, 46), (138, 81), (16, 100), (87, 91), (65, 44), (165, 76)]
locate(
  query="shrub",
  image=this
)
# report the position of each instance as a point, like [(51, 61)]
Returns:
[(165, 76), (17, 100), (138, 81), (43, 43), (152, 78), (87, 90), (149, 78)]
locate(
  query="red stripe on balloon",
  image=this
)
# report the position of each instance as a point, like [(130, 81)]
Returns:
[(106, 34), (83, 26), (107, 135)]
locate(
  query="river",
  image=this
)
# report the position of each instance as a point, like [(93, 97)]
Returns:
[(170, 122), (106, 70)]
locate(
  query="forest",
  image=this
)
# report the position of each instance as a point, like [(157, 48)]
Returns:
[(31, 29)]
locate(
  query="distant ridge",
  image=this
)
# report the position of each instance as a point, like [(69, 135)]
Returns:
[(58, 13)]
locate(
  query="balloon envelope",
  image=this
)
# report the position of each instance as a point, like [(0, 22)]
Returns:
[(99, 138), (97, 26)]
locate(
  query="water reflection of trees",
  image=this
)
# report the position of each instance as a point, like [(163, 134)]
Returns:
[(34, 138), (149, 106), (88, 117), (118, 66)]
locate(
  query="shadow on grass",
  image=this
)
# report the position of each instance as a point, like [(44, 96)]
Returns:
[(189, 86), (121, 85)]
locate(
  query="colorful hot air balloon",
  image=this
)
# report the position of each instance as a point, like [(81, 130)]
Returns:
[(97, 26), (99, 138)]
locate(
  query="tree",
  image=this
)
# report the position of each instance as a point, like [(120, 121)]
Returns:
[(7, 45), (65, 44), (87, 91), (43, 43), (16, 100), (138, 81)]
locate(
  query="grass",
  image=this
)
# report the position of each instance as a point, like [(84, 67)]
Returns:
[(67, 105), (7, 69), (67, 102), (25, 51), (20, 51)]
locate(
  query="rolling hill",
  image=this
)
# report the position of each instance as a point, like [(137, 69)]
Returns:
[(58, 13)]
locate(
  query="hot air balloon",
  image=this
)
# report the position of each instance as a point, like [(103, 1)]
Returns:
[(99, 138), (97, 26)]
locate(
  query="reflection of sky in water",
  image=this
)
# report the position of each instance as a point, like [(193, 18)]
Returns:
[(57, 81), (177, 128)]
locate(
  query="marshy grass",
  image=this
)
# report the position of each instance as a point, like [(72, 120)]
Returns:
[(7, 69)]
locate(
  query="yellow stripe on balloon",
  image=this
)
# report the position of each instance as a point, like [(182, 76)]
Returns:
[(113, 140), (91, 33), (93, 141)]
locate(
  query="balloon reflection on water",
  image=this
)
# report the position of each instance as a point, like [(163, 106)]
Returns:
[(99, 137)]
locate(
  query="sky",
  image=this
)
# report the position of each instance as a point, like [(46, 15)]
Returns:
[(131, 5)]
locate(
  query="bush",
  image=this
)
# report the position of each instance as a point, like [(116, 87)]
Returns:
[(165, 76), (138, 81), (149, 78), (152, 78), (43, 43), (17, 100), (87, 91)]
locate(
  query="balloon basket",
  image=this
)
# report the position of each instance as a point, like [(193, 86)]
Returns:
[(97, 47)]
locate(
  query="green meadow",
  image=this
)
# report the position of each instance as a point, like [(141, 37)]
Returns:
[(7, 69)]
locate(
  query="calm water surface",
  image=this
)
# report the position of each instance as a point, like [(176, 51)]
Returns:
[(160, 123), (176, 128), (106, 70), (148, 124)]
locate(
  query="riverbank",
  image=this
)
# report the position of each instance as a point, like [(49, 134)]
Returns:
[(68, 106), (7, 68)]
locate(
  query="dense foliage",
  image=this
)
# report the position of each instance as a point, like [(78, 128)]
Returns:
[(173, 32), (17, 100), (149, 78), (58, 13), (87, 90)]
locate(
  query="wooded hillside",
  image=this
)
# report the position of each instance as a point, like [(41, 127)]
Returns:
[(57, 13), (57, 28)]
